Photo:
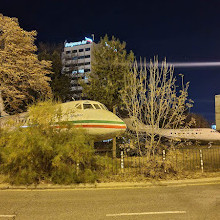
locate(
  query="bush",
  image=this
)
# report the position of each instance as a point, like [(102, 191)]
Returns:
[(42, 152), (159, 168)]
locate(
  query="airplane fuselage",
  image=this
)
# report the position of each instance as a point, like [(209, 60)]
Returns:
[(202, 134), (93, 117)]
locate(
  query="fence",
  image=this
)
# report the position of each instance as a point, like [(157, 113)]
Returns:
[(204, 159)]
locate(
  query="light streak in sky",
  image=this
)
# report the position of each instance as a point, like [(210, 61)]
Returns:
[(193, 64)]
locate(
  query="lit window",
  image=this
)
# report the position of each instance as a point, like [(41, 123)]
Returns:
[(81, 71)]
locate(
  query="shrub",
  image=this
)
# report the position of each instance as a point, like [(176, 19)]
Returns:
[(42, 152)]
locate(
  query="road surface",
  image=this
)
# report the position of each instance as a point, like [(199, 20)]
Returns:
[(160, 202)]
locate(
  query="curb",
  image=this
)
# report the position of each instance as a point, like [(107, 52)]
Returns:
[(115, 185)]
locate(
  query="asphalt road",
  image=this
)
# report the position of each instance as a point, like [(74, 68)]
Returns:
[(161, 202)]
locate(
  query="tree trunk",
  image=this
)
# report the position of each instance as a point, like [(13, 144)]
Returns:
[(2, 112)]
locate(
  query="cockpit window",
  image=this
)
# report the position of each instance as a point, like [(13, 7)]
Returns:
[(87, 106), (103, 107), (97, 106), (78, 106)]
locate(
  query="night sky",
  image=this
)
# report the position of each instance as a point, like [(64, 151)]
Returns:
[(181, 31)]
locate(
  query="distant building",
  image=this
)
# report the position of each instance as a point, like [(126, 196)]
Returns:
[(217, 112), (76, 61)]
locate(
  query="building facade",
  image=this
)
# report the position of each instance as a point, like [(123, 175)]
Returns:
[(76, 61), (217, 112)]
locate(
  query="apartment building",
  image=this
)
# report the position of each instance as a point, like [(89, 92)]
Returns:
[(76, 61)]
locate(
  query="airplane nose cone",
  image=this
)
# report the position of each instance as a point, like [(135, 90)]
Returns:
[(113, 127), (121, 126)]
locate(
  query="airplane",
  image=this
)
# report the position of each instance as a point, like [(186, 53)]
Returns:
[(197, 134), (92, 116)]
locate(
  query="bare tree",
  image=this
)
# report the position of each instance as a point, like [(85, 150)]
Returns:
[(153, 98)]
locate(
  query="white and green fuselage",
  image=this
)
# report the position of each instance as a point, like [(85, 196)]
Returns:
[(94, 117)]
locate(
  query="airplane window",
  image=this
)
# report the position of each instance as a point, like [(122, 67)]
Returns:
[(97, 106), (79, 106), (104, 107), (87, 106)]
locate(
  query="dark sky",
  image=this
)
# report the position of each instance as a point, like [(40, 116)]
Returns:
[(181, 31)]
